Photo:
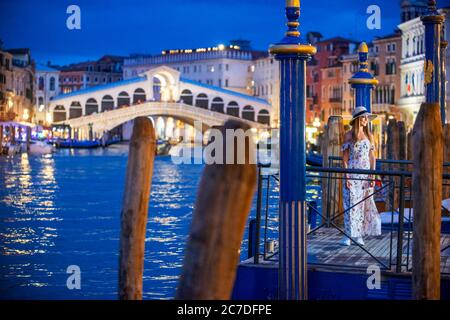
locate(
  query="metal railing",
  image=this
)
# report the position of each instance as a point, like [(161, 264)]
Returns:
[(394, 193)]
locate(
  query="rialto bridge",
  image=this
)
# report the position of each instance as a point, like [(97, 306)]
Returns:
[(172, 102)]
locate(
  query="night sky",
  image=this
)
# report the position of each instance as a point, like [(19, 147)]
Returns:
[(149, 26)]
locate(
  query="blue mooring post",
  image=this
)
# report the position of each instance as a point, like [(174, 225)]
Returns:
[(432, 21), (443, 47), (362, 81), (292, 53)]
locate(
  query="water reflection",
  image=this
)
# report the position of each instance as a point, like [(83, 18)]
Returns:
[(64, 209)]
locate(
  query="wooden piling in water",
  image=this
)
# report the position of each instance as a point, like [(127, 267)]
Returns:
[(392, 153), (427, 197), (135, 209), (446, 189), (28, 138), (1, 140), (402, 141), (223, 202), (332, 203), (409, 149)]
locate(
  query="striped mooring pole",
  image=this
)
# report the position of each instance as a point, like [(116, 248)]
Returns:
[(292, 53), (433, 21), (363, 81)]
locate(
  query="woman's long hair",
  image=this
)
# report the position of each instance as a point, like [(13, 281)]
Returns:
[(355, 126)]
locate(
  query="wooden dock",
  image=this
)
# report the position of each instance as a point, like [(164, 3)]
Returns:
[(325, 251)]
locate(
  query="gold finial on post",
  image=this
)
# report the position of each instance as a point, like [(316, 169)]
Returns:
[(363, 48), (292, 3)]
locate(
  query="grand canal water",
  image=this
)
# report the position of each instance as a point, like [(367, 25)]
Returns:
[(64, 209)]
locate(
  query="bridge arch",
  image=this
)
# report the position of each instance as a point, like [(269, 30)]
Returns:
[(248, 113), (217, 105), (164, 83), (123, 99), (107, 103), (75, 110), (59, 113), (202, 101), (264, 116), (233, 109), (91, 106), (187, 97), (139, 96)]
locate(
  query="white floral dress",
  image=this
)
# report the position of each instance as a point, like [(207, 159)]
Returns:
[(362, 219)]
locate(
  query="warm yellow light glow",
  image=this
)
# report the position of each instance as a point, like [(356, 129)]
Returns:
[(26, 114), (221, 47), (48, 117), (311, 130), (316, 122)]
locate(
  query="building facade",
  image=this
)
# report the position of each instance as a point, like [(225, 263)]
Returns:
[(91, 73), (17, 85), (384, 63), (224, 66), (267, 84), (412, 92), (47, 87)]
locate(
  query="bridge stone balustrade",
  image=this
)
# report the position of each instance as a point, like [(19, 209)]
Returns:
[(108, 120)]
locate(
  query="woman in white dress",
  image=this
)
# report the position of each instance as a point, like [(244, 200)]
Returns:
[(361, 218)]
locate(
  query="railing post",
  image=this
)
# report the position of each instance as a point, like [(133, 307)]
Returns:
[(401, 219), (312, 216), (251, 238), (292, 53), (362, 81), (258, 217)]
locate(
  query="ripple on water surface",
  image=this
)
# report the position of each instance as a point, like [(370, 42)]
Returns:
[(64, 209)]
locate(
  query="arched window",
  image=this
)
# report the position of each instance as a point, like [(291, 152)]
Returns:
[(217, 105), (233, 109), (91, 106), (187, 97), (41, 83), (202, 101), (52, 84), (248, 113), (264, 117), (75, 110), (139, 96), (123, 100), (107, 103), (59, 114)]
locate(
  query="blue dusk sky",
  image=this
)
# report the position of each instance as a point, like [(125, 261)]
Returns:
[(121, 27)]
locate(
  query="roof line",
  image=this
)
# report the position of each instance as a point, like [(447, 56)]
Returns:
[(226, 91), (99, 88)]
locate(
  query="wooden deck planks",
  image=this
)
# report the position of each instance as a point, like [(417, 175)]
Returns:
[(324, 248)]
